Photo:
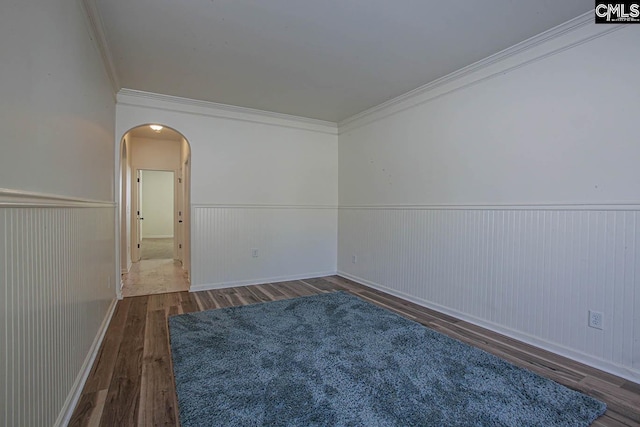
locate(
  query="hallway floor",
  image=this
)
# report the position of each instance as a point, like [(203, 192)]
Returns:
[(155, 276), (161, 248)]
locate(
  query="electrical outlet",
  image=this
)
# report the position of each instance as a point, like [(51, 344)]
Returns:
[(254, 253), (596, 319), (354, 259)]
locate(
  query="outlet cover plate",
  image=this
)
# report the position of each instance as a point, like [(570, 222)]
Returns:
[(596, 319)]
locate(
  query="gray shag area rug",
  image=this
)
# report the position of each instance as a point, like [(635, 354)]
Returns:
[(336, 360)]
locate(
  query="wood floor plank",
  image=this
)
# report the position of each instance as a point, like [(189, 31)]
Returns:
[(204, 301), (621, 419), (173, 300), (297, 288), (220, 299), (233, 297), (85, 409), (607, 421), (173, 311), (89, 409), (320, 284), (273, 291), (157, 302), (633, 387), (620, 400), (123, 399), (246, 296), (286, 291), (100, 377), (258, 293), (96, 416), (157, 388), (344, 284), (188, 302), (132, 383), (544, 354)]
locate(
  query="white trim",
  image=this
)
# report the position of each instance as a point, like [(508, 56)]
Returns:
[(211, 109), (609, 206), (265, 206), (577, 356), (249, 282), (18, 198), (565, 36), (76, 389), (159, 236), (96, 28), (119, 290), (126, 270)]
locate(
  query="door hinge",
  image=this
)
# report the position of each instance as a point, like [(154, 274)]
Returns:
[(138, 179), (179, 180), (180, 246), (138, 213), (179, 213), (138, 245)]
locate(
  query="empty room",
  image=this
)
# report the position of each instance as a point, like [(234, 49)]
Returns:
[(319, 213)]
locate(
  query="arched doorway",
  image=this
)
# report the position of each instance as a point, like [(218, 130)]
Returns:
[(154, 211)]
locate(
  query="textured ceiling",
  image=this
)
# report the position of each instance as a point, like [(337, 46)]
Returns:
[(327, 59)]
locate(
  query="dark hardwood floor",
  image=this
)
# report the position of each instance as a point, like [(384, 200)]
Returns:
[(131, 382)]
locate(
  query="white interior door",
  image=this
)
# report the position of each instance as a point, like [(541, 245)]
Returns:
[(179, 226), (139, 217)]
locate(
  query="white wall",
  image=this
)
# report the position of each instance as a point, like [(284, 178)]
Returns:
[(56, 107), (183, 242), (279, 166), (157, 204), (509, 196), (159, 154), (125, 214), (58, 266)]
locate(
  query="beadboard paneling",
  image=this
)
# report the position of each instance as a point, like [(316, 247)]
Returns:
[(57, 265), (292, 242), (532, 273)]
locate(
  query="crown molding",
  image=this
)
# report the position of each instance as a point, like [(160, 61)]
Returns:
[(565, 36), (100, 40), (212, 109)]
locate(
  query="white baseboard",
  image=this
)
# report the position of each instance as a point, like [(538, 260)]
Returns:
[(76, 390), (577, 356), (127, 269), (159, 236), (210, 286)]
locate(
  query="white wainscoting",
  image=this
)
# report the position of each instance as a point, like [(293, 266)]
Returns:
[(57, 285), (529, 272), (293, 242)]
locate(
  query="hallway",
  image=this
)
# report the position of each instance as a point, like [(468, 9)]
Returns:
[(155, 276)]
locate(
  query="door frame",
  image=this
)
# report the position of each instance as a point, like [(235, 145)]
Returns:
[(122, 243), (136, 212)]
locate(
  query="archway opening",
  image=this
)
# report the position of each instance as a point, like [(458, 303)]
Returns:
[(154, 210)]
